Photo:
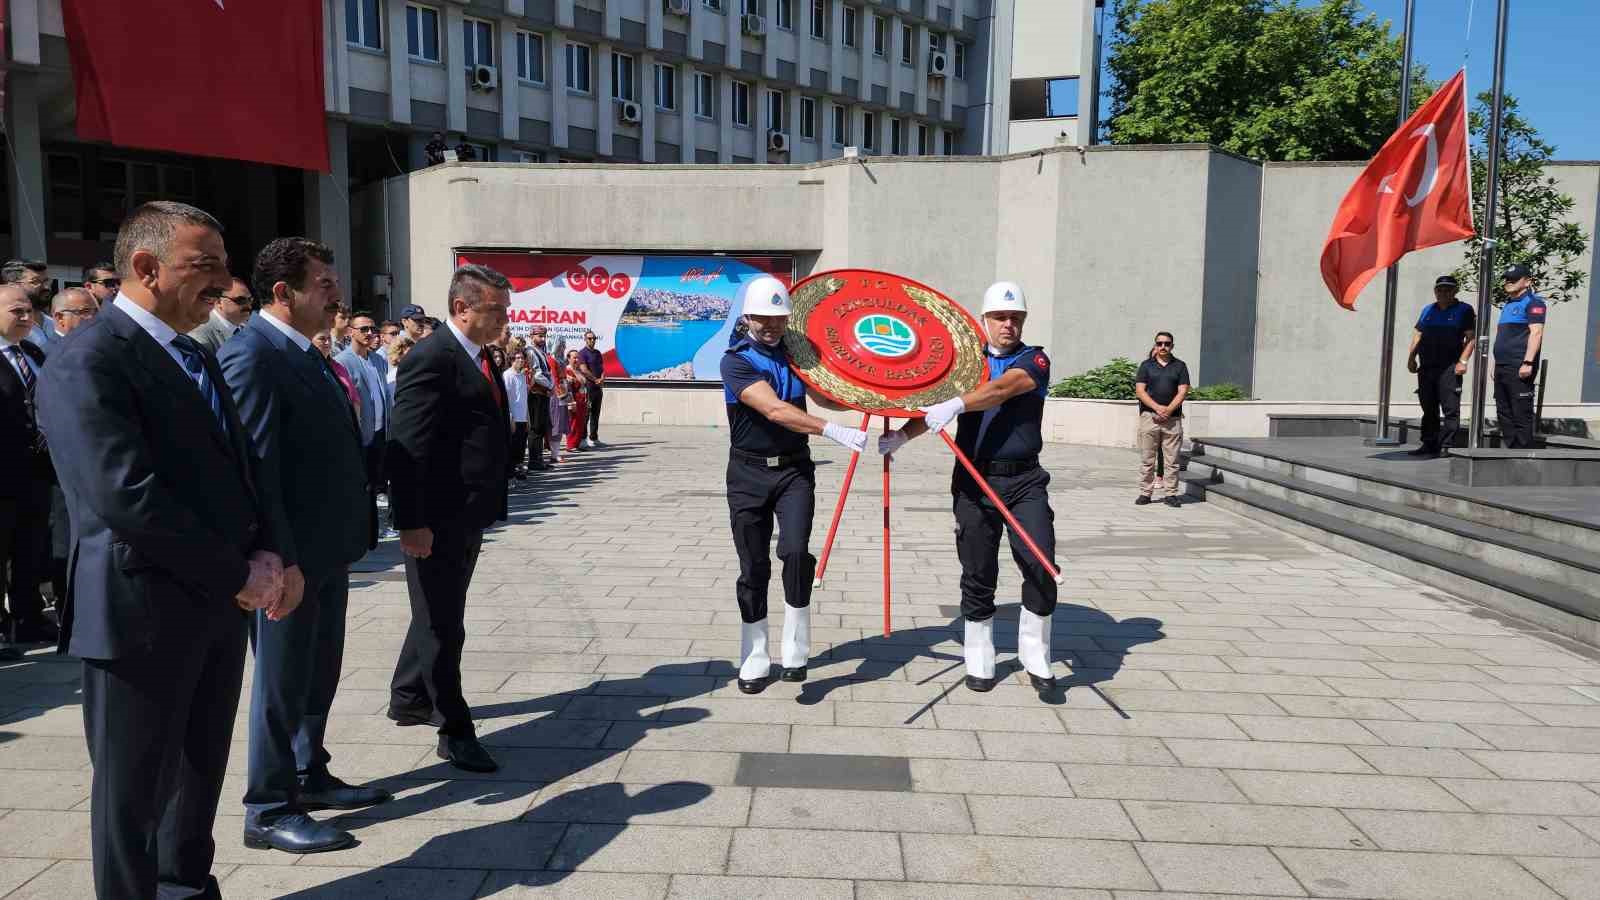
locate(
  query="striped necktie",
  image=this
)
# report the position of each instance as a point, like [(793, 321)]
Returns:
[(20, 359), (194, 365)]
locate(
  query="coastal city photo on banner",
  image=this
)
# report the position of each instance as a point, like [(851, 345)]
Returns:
[(661, 317)]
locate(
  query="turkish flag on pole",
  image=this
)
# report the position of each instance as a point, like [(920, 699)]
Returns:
[(1417, 192), (239, 79)]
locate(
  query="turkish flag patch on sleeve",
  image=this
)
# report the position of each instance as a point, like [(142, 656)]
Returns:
[(1040, 361)]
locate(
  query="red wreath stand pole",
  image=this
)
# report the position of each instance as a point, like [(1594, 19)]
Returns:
[(886, 534), (1016, 527), (838, 510)]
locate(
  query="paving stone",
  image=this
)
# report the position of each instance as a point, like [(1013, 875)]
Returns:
[(1213, 868), (1185, 701), (1424, 761), (642, 848), (669, 803), (1425, 734), (658, 766), (1152, 783), (1575, 879), (884, 742), (1232, 823), (1345, 791), (859, 811), (1551, 798), (1050, 817), (1154, 724), (1532, 737), (924, 890), (1393, 689), (1539, 766), (815, 854), (1411, 876), (1076, 748), (1299, 757), (574, 886), (1312, 730), (1340, 707), (729, 887), (1463, 713), (1430, 832), (981, 776), (1273, 666), (67, 878), (16, 872), (1251, 684), (1058, 862), (259, 882)]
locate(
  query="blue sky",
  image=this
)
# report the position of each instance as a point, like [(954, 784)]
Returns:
[(1552, 59)]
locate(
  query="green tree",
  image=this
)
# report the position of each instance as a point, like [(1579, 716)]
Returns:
[(1531, 223), (1267, 79)]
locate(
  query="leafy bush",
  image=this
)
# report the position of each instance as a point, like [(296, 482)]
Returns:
[(1224, 391), (1112, 381)]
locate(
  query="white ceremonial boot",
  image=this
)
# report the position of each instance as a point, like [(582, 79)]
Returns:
[(755, 664), (796, 642), (977, 644), (1033, 649)]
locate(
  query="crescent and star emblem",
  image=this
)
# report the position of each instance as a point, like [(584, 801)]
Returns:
[(1430, 168)]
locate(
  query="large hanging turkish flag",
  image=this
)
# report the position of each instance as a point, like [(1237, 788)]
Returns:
[(1415, 193), (240, 79)]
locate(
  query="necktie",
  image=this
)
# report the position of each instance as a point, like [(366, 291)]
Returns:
[(29, 380), (327, 371), (494, 383), (194, 365)]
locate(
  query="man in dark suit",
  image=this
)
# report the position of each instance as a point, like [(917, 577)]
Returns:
[(449, 461), (229, 315), (168, 545), (25, 489), (312, 479)]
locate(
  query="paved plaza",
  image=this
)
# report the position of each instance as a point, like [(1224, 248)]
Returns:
[(1244, 714)]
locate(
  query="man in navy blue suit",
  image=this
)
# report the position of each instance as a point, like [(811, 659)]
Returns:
[(312, 477), (168, 546)]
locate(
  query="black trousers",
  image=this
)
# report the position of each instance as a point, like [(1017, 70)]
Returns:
[(538, 428), (298, 663), (25, 550), (1439, 392), (519, 443), (374, 454), (596, 397), (978, 527), (758, 497), (158, 728), (1513, 407), (427, 677)]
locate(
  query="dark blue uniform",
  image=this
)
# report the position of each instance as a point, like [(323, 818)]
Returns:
[(1513, 394), (770, 477), (1004, 443), (1444, 332)]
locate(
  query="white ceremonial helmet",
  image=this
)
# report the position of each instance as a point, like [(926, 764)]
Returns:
[(764, 296), (1004, 296)]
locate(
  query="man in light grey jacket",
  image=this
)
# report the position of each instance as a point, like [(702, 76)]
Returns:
[(227, 317), (359, 360)]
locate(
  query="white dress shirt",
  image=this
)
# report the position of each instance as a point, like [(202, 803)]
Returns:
[(300, 340), (5, 351), (516, 395), (473, 350), (158, 330)]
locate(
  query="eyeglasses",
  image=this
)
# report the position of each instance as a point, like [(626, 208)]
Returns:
[(107, 282), (364, 329), (238, 301), (82, 312), (1163, 343)]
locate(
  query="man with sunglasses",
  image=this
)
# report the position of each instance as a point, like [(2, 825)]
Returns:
[(594, 374), (1161, 386), (101, 281), (362, 364), (227, 317)]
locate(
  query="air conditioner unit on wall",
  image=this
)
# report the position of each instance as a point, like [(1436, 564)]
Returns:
[(483, 78), (938, 63), (678, 7), (777, 142), (628, 112), (753, 24)]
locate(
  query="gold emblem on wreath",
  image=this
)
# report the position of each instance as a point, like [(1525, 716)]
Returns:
[(803, 353)]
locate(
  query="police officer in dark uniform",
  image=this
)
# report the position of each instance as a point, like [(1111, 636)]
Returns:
[(1441, 347), (998, 428), (1516, 357), (771, 477)]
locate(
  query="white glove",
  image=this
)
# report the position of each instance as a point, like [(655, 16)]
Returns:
[(850, 439), (892, 441), (941, 414)]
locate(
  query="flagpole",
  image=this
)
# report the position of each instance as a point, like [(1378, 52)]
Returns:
[(1391, 283), (1486, 263)]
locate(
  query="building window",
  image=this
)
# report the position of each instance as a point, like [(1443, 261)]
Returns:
[(750, 7), (808, 119), (621, 76), (819, 19), (477, 42), (961, 60), (712, 4), (880, 35), (869, 131), (841, 126), (935, 41), (362, 24), (897, 144), (123, 187), (422, 32), (775, 120), (783, 11), (850, 23), (949, 144), (705, 95), (741, 104), (1043, 98), (923, 143), (666, 87), (530, 57), (907, 36), (578, 68)]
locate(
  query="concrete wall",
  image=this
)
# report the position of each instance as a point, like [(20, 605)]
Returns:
[(1046, 39), (1110, 244)]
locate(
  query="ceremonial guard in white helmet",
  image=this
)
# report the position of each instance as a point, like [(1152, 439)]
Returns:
[(998, 428), (771, 477)]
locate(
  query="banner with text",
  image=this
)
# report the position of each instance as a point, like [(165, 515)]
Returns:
[(654, 316)]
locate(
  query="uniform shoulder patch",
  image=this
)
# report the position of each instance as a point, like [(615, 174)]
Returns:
[(1536, 310), (1040, 361)]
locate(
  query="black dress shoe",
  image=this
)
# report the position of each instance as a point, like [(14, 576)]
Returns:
[(466, 753), (1173, 501), (37, 631), (753, 685), (331, 793), (1423, 450), (404, 717), (1144, 500), (297, 833), (798, 673), (981, 685), (1042, 685)]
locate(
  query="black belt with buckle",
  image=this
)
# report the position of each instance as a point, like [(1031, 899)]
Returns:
[(772, 462), (1007, 466)]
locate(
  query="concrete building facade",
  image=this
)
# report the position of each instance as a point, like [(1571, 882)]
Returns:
[(1110, 243)]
